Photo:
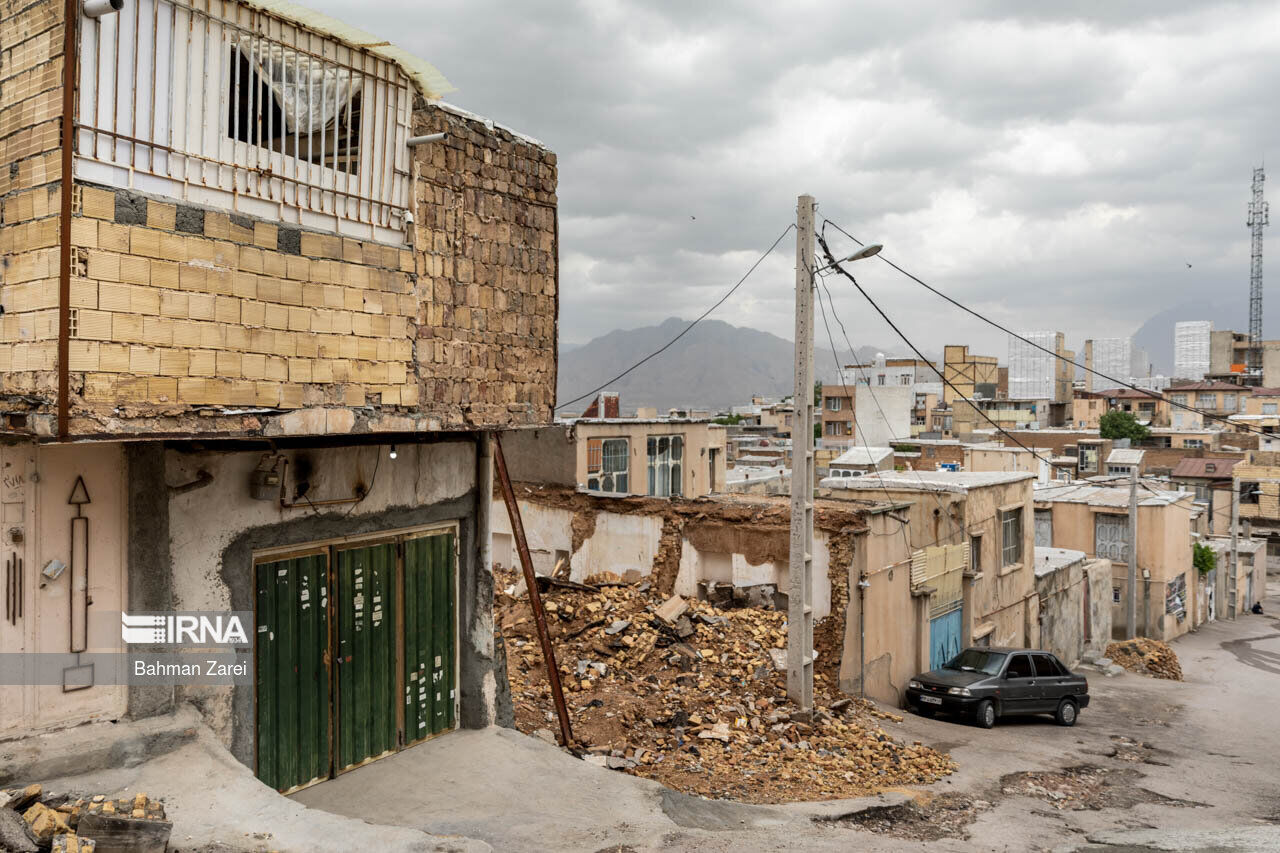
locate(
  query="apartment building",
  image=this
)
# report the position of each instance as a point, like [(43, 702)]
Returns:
[(258, 336), (838, 411)]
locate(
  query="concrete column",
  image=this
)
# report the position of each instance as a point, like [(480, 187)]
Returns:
[(149, 569)]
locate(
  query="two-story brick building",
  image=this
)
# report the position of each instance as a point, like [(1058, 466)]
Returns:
[(257, 335)]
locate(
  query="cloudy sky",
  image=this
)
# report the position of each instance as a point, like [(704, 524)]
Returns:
[(1054, 168)]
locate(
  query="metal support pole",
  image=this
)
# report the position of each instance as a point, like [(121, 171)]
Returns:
[(1235, 553), (535, 598), (800, 580), (1131, 624)]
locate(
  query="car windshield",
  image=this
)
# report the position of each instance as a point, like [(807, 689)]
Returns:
[(977, 660)]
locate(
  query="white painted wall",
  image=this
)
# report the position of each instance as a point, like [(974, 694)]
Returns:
[(37, 482), (623, 542)]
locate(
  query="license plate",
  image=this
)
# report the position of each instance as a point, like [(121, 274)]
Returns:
[(931, 700)]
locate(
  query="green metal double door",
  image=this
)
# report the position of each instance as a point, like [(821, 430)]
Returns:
[(355, 654)]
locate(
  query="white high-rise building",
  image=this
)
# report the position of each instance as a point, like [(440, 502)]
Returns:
[(1117, 358), (1191, 349), (1033, 371)]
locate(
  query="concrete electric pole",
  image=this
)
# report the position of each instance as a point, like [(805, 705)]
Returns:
[(800, 580), (1131, 623), (1232, 572)]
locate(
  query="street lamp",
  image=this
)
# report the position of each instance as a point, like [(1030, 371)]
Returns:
[(868, 251)]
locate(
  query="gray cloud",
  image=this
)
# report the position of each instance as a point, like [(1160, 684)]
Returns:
[(1056, 165)]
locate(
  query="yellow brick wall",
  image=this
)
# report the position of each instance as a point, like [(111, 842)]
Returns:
[(1263, 470), (173, 319), (30, 166), (178, 311)]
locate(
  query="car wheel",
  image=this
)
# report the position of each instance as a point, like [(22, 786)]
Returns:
[(1066, 714), (925, 711), (985, 715)]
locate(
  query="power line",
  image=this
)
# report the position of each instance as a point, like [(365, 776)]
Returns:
[(835, 264), (1119, 383), (902, 527), (687, 329), (856, 428)]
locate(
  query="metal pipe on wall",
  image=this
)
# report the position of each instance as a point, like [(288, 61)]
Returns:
[(98, 8)]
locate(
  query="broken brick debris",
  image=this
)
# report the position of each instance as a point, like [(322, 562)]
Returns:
[(31, 819), (1146, 657), (688, 695)]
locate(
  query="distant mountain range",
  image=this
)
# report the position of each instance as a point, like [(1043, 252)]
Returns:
[(715, 366)]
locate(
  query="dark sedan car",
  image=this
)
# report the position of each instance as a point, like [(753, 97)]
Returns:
[(990, 683)]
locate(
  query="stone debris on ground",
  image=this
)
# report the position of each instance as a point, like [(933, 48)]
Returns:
[(690, 695), (1146, 657), (33, 819)]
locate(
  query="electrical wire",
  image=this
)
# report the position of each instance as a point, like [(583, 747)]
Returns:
[(1119, 383), (856, 428), (836, 265), (686, 330), (902, 525)]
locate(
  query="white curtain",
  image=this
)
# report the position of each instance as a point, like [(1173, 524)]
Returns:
[(310, 92)]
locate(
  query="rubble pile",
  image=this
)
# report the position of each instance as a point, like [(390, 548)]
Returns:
[(694, 696), (33, 820), (1146, 657)]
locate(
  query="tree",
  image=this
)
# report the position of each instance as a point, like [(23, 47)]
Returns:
[(1119, 424), (1203, 558)]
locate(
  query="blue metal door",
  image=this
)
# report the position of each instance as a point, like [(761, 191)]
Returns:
[(944, 638)]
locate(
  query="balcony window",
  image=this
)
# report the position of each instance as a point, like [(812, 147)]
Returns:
[(230, 106), (608, 465)]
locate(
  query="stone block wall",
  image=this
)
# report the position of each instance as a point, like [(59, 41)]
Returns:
[(194, 320)]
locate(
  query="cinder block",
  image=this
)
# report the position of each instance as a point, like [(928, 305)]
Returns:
[(83, 355), (104, 266), (201, 363), (174, 362), (98, 204), (95, 325), (228, 365), (161, 215), (113, 358), (135, 270), (265, 235), (162, 389), (144, 360), (175, 303)]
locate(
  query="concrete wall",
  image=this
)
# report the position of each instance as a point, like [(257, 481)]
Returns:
[(627, 541), (37, 482), (896, 623), (213, 533), (1075, 608), (884, 413)]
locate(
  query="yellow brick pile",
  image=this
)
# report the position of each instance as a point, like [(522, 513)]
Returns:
[(1146, 657)]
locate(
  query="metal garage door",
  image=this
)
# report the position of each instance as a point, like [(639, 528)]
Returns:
[(356, 653), (366, 656), (429, 649), (1111, 537), (292, 670)]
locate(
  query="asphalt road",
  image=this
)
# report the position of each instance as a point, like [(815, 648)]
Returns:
[(1151, 765)]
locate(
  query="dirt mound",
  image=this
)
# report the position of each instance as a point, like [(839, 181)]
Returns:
[(1146, 657), (698, 701)]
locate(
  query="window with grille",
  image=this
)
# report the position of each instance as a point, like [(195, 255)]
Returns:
[(608, 463), (227, 105), (666, 465), (1011, 537), (1111, 536)]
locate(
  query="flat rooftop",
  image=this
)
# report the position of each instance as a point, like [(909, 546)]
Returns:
[(927, 481)]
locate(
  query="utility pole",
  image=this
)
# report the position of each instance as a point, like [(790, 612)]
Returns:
[(800, 580), (1230, 585), (1131, 625)]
